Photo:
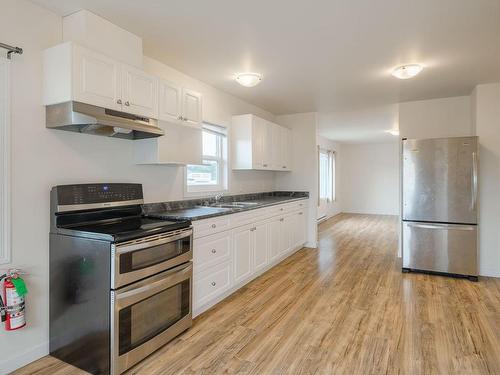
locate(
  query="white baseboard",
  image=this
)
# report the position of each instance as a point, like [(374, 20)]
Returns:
[(24, 358)]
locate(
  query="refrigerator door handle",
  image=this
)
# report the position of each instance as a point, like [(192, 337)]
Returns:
[(441, 226), (474, 181)]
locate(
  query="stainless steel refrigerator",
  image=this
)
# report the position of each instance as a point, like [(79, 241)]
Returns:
[(439, 205)]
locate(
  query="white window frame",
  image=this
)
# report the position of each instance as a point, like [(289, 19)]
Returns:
[(221, 187), (331, 176), (5, 163)]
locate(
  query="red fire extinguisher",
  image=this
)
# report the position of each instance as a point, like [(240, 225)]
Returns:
[(12, 307)]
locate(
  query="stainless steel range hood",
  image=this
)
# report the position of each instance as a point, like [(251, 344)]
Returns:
[(85, 118)]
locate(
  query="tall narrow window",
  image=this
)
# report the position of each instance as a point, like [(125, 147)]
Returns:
[(4, 160), (211, 176), (326, 176)]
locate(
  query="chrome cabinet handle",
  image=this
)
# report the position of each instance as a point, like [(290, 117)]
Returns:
[(283, 166), (264, 165), (282, 219), (253, 229), (119, 101), (214, 251), (214, 283), (300, 213), (127, 103), (214, 226)]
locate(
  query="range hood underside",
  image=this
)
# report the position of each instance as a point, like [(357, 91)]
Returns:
[(88, 119)]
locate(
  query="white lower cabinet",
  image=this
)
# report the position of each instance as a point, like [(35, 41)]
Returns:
[(242, 253), (210, 250), (260, 238), (211, 283), (227, 253), (275, 237)]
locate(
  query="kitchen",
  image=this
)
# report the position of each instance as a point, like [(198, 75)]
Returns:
[(43, 158)]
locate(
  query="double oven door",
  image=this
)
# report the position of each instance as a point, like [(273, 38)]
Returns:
[(151, 298)]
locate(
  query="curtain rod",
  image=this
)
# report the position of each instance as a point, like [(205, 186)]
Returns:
[(11, 49)]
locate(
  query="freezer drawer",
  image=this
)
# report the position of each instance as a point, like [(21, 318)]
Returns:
[(449, 248)]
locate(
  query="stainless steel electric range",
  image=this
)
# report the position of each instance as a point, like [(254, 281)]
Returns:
[(120, 283)]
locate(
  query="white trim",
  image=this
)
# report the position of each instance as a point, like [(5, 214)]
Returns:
[(222, 186), (24, 358), (5, 162)]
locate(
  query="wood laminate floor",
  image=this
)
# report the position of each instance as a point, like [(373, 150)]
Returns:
[(344, 308)]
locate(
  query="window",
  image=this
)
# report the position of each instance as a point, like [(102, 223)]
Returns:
[(211, 176), (326, 175), (4, 161)]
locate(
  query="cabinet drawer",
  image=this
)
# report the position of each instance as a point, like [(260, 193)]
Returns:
[(210, 226), (294, 206), (211, 250), (211, 283), (279, 209)]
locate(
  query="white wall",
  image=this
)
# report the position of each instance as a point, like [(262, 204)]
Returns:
[(42, 158), (304, 174), (486, 103), (436, 118), (332, 208), (369, 178)]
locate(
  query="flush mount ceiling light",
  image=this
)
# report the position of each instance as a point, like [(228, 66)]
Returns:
[(407, 71), (248, 79)]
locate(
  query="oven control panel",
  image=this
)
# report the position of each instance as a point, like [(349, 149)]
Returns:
[(97, 194)]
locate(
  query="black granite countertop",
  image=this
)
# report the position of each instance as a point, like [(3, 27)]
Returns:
[(197, 209)]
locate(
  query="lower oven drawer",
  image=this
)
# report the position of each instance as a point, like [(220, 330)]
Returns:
[(447, 248), (148, 314)]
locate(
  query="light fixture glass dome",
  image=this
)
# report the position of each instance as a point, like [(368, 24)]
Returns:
[(248, 79), (407, 71)]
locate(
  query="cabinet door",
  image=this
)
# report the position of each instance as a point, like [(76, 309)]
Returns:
[(275, 238), (267, 145), (260, 245), (170, 102), (277, 145), (287, 227), (301, 229), (96, 79), (286, 149), (242, 253), (140, 92), (191, 107), (258, 136)]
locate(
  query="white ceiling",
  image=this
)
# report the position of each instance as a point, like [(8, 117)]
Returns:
[(321, 55)]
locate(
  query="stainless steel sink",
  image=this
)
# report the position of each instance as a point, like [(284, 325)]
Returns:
[(234, 204)]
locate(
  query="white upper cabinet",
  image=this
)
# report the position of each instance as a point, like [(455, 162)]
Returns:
[(191, 107), (281, 148), (72, 72), (96, 79), (180, 105), (170, 102), (139, 92), (259, 144)]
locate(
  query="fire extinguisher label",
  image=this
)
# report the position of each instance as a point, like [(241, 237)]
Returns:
[(15, 309)]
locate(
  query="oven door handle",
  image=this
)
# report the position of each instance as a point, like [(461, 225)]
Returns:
[(122, 249), (167, 279)]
